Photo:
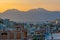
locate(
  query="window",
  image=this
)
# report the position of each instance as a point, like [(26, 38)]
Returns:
[(4, 33)]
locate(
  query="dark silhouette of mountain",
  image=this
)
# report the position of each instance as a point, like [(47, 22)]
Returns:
[(33, 15)]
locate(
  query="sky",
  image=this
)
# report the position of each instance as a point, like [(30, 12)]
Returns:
[(25, 5)]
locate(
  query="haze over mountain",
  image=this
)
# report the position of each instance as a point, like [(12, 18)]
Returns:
[(33, 15)]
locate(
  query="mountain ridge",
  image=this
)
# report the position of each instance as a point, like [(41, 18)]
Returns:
[(33, 15), (41, 9)]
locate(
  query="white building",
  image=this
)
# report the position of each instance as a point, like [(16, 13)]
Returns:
[(55, 36)]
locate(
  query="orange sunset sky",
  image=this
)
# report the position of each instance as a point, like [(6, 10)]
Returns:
[(24, 5)]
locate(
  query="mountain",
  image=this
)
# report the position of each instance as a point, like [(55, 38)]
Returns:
[(33, 15)]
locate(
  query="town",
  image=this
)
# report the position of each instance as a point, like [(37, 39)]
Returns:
[(10, 30)]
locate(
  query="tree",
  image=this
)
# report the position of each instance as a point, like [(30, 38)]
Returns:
[(1, 20)]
